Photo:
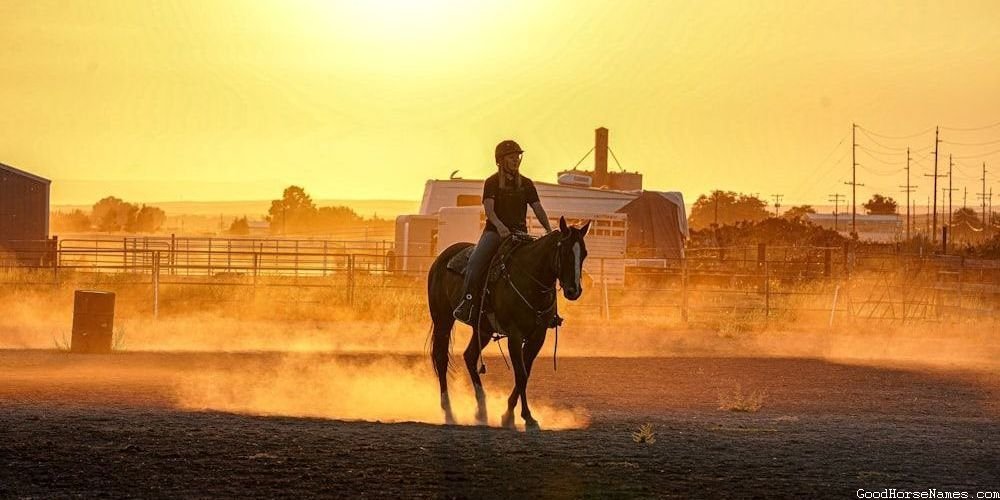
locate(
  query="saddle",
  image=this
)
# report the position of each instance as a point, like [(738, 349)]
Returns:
[(459, 263)]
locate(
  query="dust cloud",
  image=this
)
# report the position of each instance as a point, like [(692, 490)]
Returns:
[(382, 389)]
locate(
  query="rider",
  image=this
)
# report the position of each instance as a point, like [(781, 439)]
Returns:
[(506, 195)]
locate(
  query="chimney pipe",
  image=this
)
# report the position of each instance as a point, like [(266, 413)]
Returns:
[(600, 157)]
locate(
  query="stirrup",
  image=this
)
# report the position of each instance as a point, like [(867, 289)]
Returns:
[(465, 310)]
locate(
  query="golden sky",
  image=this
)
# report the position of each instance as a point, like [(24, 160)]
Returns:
[(234, 100)]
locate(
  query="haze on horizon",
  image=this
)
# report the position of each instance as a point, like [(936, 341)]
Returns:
[(227, 100)]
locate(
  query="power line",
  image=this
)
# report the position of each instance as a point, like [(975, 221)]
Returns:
[(972, 129), (972, 143), (894, 136), (883, 173), (876, 141), (979, 155)]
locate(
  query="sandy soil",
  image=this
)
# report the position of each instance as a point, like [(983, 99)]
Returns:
[(146, 425)]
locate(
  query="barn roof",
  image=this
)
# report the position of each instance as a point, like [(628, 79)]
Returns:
[(22, 173)]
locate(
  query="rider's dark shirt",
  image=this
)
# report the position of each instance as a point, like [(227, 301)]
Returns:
[(511, 203)]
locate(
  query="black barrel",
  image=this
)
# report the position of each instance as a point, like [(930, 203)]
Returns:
[(93, 321)]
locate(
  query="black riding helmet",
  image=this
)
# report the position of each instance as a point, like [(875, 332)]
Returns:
[(505, 148)]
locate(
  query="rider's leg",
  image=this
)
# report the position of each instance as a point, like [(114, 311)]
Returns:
[(479, 261)]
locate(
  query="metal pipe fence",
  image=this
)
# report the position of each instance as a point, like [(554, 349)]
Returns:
[(770, 283)]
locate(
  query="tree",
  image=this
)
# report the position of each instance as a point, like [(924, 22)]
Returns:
[(965, 216), (730, 207), (294, 212), (112, 214), (76, 221), (239, 227), (332, 217), (148, 219), (798, 213), (880, 205)]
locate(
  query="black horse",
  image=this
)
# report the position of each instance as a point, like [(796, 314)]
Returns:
[(523, 302)]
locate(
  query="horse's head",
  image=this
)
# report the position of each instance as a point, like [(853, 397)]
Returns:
[(572, 251)]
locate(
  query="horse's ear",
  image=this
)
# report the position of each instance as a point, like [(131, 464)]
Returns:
[(562, 225), (585, 228)]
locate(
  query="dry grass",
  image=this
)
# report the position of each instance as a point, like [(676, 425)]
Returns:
[(735, 400), (645, 434)]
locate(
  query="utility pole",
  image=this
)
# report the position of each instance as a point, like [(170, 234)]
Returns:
[(928, 213), (934, 226), (777, 202), (908, 189), (936, 142), (982, 195), (854, 179), (836, 199), (950, 190), (716, 194)]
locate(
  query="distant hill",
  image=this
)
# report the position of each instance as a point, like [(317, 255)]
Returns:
[(257, 209)]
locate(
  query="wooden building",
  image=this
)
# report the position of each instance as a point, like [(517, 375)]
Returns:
[(24, 211)]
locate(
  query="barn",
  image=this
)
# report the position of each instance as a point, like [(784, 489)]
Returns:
[(24, 212)]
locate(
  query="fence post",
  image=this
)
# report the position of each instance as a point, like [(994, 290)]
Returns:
[(767, 291), (209, 256), (762, 266), (827, 262), (847, 258), (350, 279), (684, 290), (172, 256), (604, 299), (156, 284), (256, 266)]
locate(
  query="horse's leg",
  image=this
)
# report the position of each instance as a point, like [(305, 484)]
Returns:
[(520, 378), (439, 351), (531, 349), (472, 354)]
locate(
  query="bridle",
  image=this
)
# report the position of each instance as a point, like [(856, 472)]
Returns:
[(544, 289)]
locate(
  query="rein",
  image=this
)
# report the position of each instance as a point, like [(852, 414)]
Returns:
[(543, 289)]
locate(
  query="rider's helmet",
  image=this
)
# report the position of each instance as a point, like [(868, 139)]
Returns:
[(505, 148)]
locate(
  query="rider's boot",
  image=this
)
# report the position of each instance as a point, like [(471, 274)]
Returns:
[(466, 311)]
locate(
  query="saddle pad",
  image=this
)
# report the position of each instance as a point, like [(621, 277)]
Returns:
[(460, 261)]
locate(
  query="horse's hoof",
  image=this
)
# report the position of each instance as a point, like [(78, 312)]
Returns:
[(482, 419), (507, 421), (531, 426)]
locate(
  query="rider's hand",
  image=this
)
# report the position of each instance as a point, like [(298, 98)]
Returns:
[(504, 232)]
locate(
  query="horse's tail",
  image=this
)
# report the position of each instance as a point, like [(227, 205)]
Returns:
[(441, 305)]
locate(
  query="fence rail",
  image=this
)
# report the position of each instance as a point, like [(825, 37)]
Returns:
[(827, 283)]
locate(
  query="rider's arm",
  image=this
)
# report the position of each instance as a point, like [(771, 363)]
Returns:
[(543, 218), (492, 216)]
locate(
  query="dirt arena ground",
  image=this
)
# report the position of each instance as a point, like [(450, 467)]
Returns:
[(212, 424)]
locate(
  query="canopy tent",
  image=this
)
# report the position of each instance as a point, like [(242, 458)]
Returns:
[(654, 227)]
